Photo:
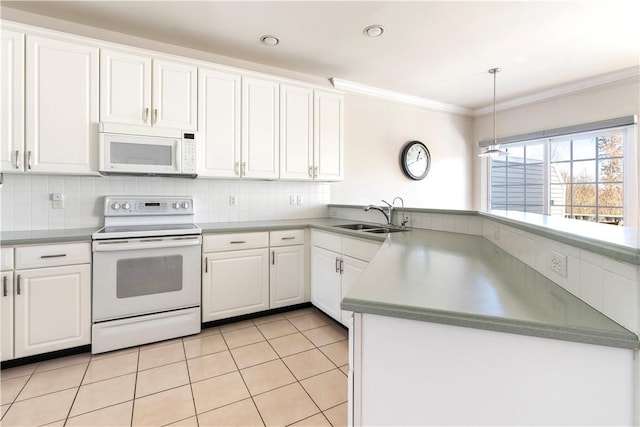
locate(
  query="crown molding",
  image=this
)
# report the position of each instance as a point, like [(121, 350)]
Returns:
[(568, 88), (399, 97)]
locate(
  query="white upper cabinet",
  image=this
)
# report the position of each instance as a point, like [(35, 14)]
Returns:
[(296, 133), (12, 101), (136, 89), (219, 124), (328, 136), (125, 88), (260, 129), (61, 106), (175, 95)]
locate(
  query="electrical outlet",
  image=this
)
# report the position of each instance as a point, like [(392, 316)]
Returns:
[(292, 199), (558, 263), (57, 200), (233, 200), (300, 199)]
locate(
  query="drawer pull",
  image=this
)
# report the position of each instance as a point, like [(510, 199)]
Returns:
[(53, 256), (4, 286), (18, 284), (235, 242), (288, 238)]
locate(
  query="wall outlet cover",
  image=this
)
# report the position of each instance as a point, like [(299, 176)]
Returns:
[(558, 263), (233, 201)]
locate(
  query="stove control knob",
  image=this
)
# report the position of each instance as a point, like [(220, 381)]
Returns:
[(115, 206), (176, 205), (126, 206), (185, 205)]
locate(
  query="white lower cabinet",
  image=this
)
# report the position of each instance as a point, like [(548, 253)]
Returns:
[(286, 276), (46, 300), (52, 309), (336, 264)]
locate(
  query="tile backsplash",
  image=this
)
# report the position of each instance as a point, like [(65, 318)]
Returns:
[(25, 200)]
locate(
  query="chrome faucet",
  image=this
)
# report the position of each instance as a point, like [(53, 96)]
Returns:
[(386, 211), (404, 219)]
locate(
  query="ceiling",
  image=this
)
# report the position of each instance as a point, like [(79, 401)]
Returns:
[(439, 50)]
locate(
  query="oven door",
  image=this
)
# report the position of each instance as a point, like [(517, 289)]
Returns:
[(132, 277)]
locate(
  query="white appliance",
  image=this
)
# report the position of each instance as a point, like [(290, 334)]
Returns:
[(146, 272), (143, 150)]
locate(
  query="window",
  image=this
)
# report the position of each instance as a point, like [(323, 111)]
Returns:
[(580, 176)]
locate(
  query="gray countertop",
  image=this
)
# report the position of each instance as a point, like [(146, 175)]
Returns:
[(435, 276), (467, 281)]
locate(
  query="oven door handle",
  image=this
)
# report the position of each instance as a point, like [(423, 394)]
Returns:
[(106, 246)]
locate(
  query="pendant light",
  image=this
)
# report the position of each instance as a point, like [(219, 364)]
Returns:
[(493, 150)]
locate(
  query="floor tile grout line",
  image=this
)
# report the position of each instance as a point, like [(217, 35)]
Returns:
[(135, 386), (193, 397), (245, 383), (75, 396)]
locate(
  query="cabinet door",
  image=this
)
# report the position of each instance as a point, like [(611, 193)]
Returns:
[(325, 281), (61, 106), (125, 88), (287, 276), (351, 269), (235, 283), (218, 124), (175, 95), (12, 101), (260, 129), (296, 133), (6, 316), (328, 135), (52, 309)]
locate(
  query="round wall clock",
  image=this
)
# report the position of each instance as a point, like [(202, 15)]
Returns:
[(415, 160)]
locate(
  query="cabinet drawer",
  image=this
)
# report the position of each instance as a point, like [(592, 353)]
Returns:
[(52, 255), (236, 241), (6, 261), (360, 249), (330, 241), (286, 238)]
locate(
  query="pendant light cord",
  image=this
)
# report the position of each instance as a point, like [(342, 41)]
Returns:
[(494, 71)]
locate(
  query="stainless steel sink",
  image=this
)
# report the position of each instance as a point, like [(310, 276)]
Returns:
[(358, 226), (369, 228)]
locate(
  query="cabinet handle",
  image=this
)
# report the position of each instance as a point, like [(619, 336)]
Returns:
[(273, 257), (53, 256), (17, 159), (310, 171), (18, 284), (337, 265), (29, 159), (315, 171), (244, 169), (341, 266), (155, 116), (233, 242), (4, 286), (146, 114), (288, 238), (206, 264), (237, 168)]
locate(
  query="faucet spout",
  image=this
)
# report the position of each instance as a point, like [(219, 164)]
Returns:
[(386, 214)]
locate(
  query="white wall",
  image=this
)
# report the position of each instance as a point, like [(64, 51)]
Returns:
[(375, 131), (608, 101)]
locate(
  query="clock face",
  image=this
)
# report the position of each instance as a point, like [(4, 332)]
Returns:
[(415, 160)]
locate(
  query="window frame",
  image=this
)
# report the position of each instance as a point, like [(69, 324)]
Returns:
[(629, 156)]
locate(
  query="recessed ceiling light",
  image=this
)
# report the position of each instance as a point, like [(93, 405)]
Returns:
[(269, 40), (374, 30)]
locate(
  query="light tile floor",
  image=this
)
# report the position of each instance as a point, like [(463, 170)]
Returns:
[(283, 369)]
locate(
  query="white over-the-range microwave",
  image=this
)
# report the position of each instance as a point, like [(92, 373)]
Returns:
[(143, 150)]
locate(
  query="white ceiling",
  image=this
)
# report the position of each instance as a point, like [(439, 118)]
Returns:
[(439, 50)]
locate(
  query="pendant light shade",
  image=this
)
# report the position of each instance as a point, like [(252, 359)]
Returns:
[(493, 150)]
